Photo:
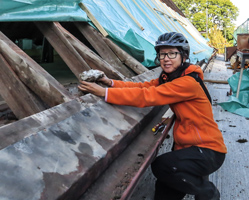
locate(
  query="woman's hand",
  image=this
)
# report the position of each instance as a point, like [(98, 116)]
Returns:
[(105, 80), (92, 88)]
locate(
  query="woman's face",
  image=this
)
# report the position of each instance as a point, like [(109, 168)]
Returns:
[(169, 65)]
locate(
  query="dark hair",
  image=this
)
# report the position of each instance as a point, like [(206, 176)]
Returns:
[(168, 77)]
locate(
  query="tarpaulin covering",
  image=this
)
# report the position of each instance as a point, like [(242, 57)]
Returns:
[(117, 18), (238, 105)]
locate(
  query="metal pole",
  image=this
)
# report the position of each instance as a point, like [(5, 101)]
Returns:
[(206, 22), (240, 76), (225, 52)]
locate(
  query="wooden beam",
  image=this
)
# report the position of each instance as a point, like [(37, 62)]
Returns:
[(63, 47), (92, 59), (126, 58), (168, 18), (215, 81), (174, 15), (31, 78), (93, 19), (96, 40), (148, 17), (54, 85), (21, 101), (202, 50), (130, 15), (157, 16)]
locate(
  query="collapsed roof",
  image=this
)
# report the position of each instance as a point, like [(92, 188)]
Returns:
[(62, 140), (133, 25)]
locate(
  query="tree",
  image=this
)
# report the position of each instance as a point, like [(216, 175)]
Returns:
[(216, 39), (221, 13)]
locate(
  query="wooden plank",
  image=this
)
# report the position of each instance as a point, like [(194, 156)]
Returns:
[(148, 17), (54, 85), (173, 13), (202, 50), (130, 15), (173, 23), (169, 18), (93, 19), (92, 59), (21, 101), (31, 78), (166, 17), (95, 39), (67, 151), (60, 43), (124, 57), (123, 175), (215, 81), (157, 16)]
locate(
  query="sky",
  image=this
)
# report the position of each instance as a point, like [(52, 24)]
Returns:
[(243, 6)]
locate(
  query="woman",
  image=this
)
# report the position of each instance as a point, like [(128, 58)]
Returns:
[(199, 149)]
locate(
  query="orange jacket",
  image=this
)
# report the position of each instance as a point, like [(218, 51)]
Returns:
[(194, 124)]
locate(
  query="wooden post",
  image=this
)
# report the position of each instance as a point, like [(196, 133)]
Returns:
[(54, 85), (21, 101), (47, 52), (92, 59), (93, 19), (96, 40), (56, 38), (131, 16), (31, 78)]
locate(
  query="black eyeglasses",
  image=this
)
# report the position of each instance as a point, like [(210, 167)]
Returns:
[(171, 55)]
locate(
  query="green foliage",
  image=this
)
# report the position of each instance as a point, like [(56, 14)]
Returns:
[(216, 39), (221, 13)]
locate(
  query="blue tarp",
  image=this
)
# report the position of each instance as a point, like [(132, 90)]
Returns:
[(121, 28)]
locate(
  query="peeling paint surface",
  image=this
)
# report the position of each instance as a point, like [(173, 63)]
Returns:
[(64, 149)]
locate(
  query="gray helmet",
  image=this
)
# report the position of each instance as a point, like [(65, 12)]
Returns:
[(173, 39)]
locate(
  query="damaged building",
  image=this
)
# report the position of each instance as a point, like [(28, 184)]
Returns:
[(56, 142)]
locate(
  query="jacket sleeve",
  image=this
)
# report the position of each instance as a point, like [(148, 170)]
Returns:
[(129, 84), (181, 89)]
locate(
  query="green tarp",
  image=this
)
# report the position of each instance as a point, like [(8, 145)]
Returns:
[(239, 105), (122, 29)]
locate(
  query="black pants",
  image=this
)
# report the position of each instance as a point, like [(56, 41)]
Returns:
[(182, 172)]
